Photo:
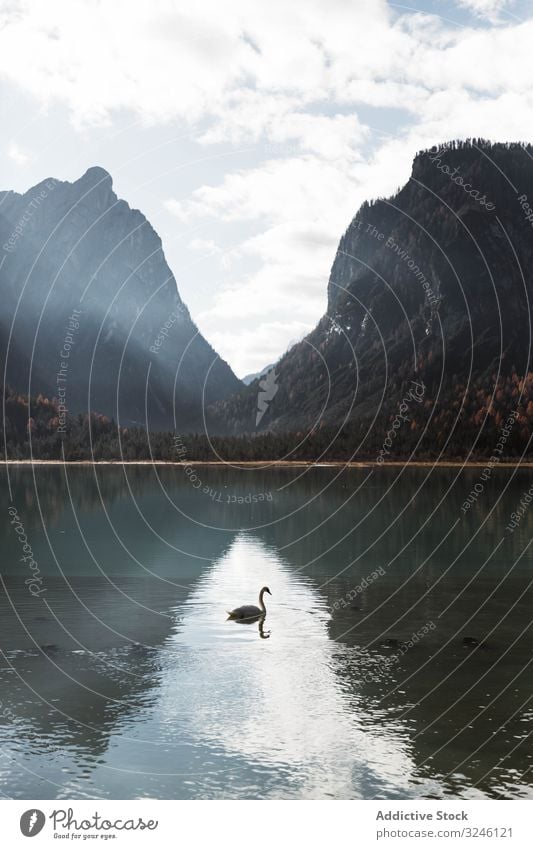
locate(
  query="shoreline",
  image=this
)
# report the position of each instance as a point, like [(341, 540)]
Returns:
[(269, 464)]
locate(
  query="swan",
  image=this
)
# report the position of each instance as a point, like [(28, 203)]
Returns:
[(250, 611)]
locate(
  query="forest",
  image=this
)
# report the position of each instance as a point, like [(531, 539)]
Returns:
[(469, 423)]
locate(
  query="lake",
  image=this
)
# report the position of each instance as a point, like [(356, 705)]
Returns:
[(394, 661)]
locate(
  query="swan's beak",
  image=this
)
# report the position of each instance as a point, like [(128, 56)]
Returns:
[(268, 591)]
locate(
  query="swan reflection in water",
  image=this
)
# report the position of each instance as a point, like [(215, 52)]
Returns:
[(251, 620)]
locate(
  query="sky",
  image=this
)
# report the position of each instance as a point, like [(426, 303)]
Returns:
[(250, 132)]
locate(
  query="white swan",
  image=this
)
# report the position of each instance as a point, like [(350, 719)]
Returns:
[(250, 611)]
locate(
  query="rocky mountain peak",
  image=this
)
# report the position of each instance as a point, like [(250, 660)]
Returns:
[(81, 248)]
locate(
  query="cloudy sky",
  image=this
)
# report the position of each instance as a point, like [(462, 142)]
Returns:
[(249, 132)]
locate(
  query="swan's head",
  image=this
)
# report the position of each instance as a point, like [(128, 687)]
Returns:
[(266, 590)]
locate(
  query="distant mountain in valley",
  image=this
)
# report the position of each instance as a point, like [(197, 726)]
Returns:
[(91, 313), (431, 288)]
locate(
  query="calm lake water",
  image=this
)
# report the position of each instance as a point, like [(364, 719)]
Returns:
[(123, 679)]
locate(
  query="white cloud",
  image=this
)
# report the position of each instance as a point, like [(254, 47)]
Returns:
[(292, 188), (164, 60), (176, 208), (18, 154), (489, 9), (156, 60), (287, 129), (259, 343), (205, 245)]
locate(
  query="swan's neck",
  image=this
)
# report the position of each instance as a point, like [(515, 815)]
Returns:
[(261, 602)]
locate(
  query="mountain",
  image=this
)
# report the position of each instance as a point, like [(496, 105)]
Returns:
[(249, 378), (429, 295), (91, 313)]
